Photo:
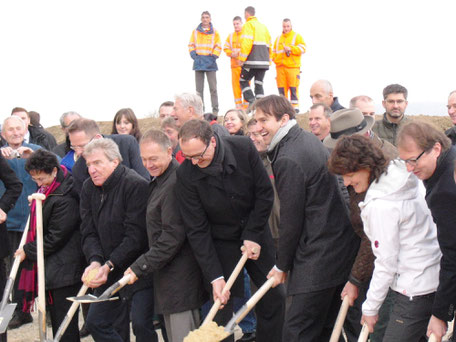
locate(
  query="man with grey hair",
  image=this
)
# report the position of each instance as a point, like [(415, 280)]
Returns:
[(65, 120), (364, 103), (322, 92), (395, 103), (113, 212), (320, 120), (451, 133)]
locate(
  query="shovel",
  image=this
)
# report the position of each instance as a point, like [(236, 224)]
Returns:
[(105, 296), (364, 333), (7, 309), (340, 320), (245, 309), (216, 306)]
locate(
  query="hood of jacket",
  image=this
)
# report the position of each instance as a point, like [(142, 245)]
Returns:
[(202, 30), (397, 184)]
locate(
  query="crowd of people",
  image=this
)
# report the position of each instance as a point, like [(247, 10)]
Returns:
[(354, 208)]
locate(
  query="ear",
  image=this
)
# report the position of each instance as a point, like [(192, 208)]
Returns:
[(170, 151), (97, 136), (284, 119), (384, 104), (437, 148)]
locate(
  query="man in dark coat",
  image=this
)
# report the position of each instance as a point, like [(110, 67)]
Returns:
[(13, 190), (225, 197), (113, 211), (170, 256), (316, 240), (428, 153)]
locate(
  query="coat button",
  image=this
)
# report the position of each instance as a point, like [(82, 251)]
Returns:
[(144, 267)]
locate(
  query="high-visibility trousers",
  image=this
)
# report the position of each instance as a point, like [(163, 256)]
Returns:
[(237, 92), (288, 83)]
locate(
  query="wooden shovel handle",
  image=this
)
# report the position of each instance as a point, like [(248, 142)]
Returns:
[(256, 298), (432, 338), (364, 334), (216, 306), (17, 259), (340, 320)]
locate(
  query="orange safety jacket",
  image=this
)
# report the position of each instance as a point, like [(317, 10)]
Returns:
[(294, 41), (255, 45), (233, 44)]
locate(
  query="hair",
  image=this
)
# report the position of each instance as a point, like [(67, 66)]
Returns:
[(242, 116), (250, 10), (64, 115), (42, 161), (287, 20), (327, 111), (395, 89), (275, 105), (108, 146), (166, 104), (238, 18), (156, 136), (424, 135), (356, 152), (191, 100), (130, 117), (206, 12), (13, 117), (88, 126), (34, 119), (251, 122), (362, 98), (169, 122), (209, 117), (451, 93), (196, 129), (18, 110)]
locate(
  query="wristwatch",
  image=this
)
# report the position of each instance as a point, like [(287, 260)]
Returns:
[(110, 265)]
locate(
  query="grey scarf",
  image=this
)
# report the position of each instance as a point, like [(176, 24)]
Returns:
[(281, 133)]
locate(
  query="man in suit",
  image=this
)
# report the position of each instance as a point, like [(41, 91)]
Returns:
[(225, 198), (316, 241)]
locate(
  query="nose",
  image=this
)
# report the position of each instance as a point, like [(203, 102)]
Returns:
[(347, 181), (410, 168), (195, 162)]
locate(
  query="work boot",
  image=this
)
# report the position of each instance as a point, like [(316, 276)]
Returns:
[(20, 318), (247, 337)]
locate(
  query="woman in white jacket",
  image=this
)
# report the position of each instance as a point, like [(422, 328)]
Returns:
[(403, 236)]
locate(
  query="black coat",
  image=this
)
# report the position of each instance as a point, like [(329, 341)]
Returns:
[(317, 243), (63, 258), (114, 220), (129, 150), (13, 190), (441, 200), (39, 136), (178, 281), (221, 211)]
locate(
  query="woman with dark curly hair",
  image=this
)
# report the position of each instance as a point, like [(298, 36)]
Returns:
[(403, 236), (125, 122), (63, 256)]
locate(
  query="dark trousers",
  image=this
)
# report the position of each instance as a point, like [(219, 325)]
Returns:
[(14, 238), (409, 318), (2, 288), (311, 316), (142, 315), (58, 309), (246, 76), (270, 309)]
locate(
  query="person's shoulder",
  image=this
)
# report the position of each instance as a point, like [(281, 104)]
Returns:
[(121, 139), (34, 147)]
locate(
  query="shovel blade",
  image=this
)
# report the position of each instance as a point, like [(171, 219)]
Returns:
[(90, 298), (5, 316)]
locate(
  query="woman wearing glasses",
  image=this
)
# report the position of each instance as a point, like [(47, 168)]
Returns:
[(398, 223)]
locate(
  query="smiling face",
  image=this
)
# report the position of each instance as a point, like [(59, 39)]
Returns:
[(255, 135), (123, 126), (268, 125), (286, 26), (318, 122), (100, 167), (181, 114), (426, 164), (198, 152), (359, 180), (155, 158), (13, 132), (232, 122)]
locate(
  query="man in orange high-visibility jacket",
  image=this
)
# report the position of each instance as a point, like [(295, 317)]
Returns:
[(255, 54), (232, 49), (286, 54), (205, 47)]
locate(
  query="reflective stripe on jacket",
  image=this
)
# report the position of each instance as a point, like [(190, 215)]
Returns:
[(233, 44), (205, 47), (255, 45), (297, 45)]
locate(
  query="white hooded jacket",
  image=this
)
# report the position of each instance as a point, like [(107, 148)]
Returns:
[(403, 235)]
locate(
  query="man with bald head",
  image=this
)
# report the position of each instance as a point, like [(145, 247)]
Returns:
[(451, 133), (364, 103), (322, 92)]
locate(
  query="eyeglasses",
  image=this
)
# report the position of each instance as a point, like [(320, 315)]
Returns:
[(399, 102), (413, 161), (80, 147), (197, 157)]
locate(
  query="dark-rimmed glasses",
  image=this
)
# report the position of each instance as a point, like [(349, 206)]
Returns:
[(197, 157)]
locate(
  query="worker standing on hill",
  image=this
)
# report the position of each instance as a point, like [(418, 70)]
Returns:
[(232, 49), (286, 54), (255, 52), (205, 48)]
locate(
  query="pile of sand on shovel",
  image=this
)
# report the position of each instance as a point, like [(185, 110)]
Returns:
[(210, 332)]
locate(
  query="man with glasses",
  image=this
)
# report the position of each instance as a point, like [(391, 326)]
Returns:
[(225, 198), (395, 102), (428, 153)]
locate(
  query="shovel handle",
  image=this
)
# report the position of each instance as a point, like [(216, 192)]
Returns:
[(340, 320), (17, 259), (364, 333), (432, 338), (216, 306), (122, 282), (40, 258), (256, 298)]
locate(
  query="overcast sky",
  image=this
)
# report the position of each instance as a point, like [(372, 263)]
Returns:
[(97, 56)]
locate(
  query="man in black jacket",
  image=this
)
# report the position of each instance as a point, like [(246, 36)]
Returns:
[(225, 198), (316, 240), (13, 188), (428, 153), (113, 211)]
